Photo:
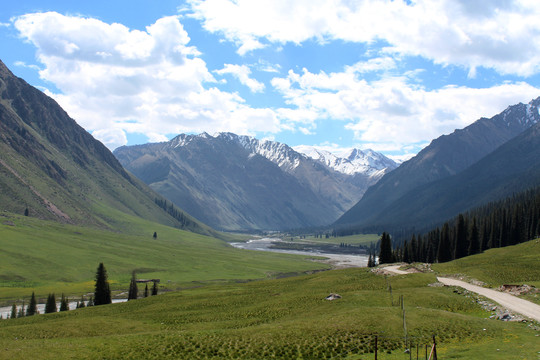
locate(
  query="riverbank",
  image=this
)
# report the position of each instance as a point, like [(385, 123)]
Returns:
[(339, 261)]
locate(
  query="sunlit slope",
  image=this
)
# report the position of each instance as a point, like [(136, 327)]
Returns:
[(45, 256)]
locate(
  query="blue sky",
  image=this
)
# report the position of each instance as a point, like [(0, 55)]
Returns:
[(379, 74)]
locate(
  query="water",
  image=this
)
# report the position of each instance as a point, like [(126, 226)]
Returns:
[(6, 311), (337, 260)]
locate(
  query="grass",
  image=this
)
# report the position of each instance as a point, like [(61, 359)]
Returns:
[(281, 318), (518, 264), (44, 257), (360, 239)]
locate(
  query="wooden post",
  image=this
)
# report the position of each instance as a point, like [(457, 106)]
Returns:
[(434, 348), (375, 347)]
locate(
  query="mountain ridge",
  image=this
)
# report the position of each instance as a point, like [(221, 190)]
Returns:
[(446, 156), (185, 167)]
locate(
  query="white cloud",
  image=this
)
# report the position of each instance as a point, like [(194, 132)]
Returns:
[(114, 80), (242, 72), (497, 34), (390, 114)]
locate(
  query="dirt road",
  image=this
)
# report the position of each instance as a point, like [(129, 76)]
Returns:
[(510, 302)]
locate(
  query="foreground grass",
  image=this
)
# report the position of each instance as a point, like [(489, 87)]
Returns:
[(48, 257), (283, 318)]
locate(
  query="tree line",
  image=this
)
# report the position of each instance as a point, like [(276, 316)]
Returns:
[(102, 296), (497, 224)]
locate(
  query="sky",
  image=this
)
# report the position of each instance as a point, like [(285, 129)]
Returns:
[(336, 74)]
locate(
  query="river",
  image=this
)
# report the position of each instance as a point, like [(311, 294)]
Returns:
[(336, 260), (6, 311)]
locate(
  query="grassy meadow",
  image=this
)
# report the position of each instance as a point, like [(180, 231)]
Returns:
[(44, 257), (285, 318), (216, 313)]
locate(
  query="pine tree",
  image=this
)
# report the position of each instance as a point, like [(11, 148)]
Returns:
[(32, 307), (445, 248), (146, 291), (474, 239), (462, 244), (102, 293), (385, 254), (50, 306), (13, 311), (21, 313), (155, 235), (64, 305), (133, 291), (154, 289)]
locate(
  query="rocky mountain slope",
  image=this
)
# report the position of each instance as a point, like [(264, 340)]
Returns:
[(445, 157), (241, 183), (56, 170)]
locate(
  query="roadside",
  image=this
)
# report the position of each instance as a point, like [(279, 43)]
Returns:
[(510, 302)]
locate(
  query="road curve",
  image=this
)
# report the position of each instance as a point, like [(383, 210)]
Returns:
[(511, 302)]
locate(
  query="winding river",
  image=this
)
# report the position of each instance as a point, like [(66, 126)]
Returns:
[(336, 260)]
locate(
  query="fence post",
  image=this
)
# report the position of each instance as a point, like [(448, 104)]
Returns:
[(376, 347)]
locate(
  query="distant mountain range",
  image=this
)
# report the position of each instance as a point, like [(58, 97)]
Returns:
[(485, 161), (237, 182), (51, 168)]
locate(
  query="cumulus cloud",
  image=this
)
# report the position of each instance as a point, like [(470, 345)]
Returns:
[(497, 34), (115, 80), (242, 72), (390, 113)]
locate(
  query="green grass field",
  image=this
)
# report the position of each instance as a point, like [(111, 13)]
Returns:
[(282, 318), (44, 257), (360, 239)]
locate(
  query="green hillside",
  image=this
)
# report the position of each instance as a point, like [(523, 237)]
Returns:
[(47, 256), (286, 319)]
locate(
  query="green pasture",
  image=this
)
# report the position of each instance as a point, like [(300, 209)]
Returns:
[(360, 239), (285, 318), (45, 257)]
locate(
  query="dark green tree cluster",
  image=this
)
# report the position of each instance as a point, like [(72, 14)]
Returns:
[(497, 224), (185, 222), (386, 254)]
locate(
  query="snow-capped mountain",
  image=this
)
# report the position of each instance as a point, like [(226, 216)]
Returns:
[(351, 162), (238, 182)]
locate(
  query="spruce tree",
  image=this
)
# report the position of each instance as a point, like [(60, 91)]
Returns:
[(32, 307), (102, 293), (444, 253), (154, 289), (385, 254), (462, 244), (133, 291), (146, 290), (13, 311), (21, 313), (64, 305), (50, 306)]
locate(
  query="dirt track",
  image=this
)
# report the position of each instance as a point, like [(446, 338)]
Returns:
[(510, 302)]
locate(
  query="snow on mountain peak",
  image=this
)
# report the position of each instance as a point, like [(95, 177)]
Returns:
[(350, 162)]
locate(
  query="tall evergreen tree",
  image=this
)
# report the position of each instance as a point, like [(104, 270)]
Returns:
[(385, 254), (146, 290), (13, 311), (32, 307), (21, 313), (462, 244), (474, 239), (64, 305), (445, 247), (102, 293), (133, 291), (155, 289), (50, 306)]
